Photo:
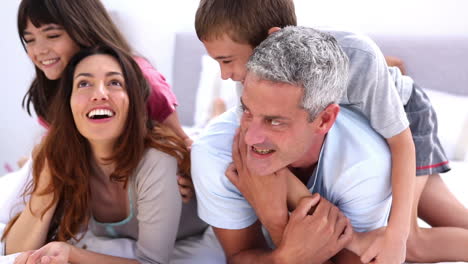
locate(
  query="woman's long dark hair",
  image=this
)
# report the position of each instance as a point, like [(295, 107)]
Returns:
[(69, 157), (88, 24)]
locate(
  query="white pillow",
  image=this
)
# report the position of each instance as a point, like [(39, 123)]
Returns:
[(210, 87), (452, 115)]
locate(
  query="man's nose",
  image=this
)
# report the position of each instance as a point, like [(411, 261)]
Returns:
[(254, 133)]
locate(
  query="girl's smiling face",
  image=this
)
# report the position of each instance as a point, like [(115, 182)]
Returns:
[(50, 48)]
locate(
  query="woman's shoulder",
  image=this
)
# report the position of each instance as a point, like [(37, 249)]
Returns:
[(156, 169), (155, 158), (155, 166)]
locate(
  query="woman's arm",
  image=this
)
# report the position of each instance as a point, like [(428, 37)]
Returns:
[(29, 231), (63, 253), (159, 207)]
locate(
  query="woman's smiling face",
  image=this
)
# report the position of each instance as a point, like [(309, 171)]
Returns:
[(99, 100)]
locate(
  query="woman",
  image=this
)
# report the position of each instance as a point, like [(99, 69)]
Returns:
[(102, 162), (52, 31)]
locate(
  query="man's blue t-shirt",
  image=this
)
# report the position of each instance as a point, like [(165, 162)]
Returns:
[(353, 172)]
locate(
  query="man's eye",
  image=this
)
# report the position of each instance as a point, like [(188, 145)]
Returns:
[(274, 122), (226, 61), (83, 84)]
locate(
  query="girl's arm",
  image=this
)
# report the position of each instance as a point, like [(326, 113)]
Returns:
[(29, 231), (172, 121), (162, 101)]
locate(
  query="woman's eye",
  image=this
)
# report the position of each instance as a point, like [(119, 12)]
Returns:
[(115, 83), (83, 84)]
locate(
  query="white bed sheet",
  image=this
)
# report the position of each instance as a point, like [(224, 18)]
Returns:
[(201, 249)]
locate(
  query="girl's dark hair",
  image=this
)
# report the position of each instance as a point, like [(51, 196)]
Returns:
[(88, 24), (68, 156)]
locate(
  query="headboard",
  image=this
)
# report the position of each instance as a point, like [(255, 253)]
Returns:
[(437, 63), (186, 74), (434, 63)]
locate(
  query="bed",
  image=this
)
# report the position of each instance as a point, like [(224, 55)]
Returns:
[(193, 72)]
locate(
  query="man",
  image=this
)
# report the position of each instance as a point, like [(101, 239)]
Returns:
[(291, 129)]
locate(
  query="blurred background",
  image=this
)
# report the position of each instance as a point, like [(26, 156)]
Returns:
[(151, 27)]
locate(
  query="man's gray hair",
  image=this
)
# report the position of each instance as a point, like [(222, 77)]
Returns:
[(307, 58)]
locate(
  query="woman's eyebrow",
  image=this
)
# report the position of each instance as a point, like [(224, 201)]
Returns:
[(86, 74), (83, 74)]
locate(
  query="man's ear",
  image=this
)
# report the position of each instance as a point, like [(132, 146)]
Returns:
[(273, 30), (326, 118)]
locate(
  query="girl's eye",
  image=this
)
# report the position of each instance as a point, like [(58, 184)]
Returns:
[(83, 84), (27, 41), (54, 36)]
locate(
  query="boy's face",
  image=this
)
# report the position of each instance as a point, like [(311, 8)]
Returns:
[(231, 56)]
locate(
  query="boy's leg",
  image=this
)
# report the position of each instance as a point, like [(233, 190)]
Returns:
[(434, 244), (439, 207)]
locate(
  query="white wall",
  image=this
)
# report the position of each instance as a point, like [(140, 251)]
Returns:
[(421, 17), (18, 131), (150, 26)]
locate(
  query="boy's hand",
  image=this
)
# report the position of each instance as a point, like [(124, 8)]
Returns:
[(387, 248), (266, 193)]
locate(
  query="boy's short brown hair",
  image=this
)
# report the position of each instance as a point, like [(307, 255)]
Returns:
[(245, 21)]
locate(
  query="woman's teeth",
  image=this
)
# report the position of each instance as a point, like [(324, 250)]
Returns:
[(100, 113)]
